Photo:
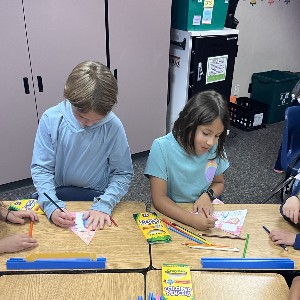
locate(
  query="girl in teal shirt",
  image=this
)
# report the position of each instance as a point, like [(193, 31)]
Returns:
[(187, 165)]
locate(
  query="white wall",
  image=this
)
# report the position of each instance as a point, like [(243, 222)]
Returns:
[(269, 39)]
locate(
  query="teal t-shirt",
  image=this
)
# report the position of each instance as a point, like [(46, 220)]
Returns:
[(186, 175)]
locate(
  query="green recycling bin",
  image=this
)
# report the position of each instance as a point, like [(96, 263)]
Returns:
[(194, 15), (274, 88)]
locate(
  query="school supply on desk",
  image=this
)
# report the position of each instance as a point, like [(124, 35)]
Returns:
[(113, 221), (246, 263), (206, 216), (230, 221), (211, 247), (222, 236), (176, 282), (246, 245), (26, 204), (153, 229), (185, 232), (30, 228), (79, 228), (184, 235), (57, 261), (53, 202), (283, 246)]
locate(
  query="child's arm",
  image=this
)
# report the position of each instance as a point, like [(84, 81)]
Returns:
[(169, 208), (295, 289), (17, 242), (291, 208), (204, 200), (17, 217)]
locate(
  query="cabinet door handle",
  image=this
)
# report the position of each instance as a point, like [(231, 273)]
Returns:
[(116, 73), (40, 83), (26, 85), (179, 44)]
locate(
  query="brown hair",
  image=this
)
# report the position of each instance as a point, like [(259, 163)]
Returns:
[(201, 109), (91, 87)]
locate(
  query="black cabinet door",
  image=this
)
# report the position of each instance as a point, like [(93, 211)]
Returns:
[(212, 64)]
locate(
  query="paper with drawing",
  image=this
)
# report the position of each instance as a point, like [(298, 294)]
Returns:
[(79, 228), (230, 221)]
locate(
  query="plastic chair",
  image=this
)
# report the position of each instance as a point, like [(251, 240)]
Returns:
[(73, 193), (290, 152)]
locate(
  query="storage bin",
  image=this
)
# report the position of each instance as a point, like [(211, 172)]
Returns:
[(248, 114), (194, 15), (274, 88)]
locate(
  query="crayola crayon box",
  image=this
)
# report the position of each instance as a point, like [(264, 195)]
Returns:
[(26, 204), (152, 228), (176, 282)]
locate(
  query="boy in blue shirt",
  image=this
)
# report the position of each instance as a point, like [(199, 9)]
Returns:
[(81, 143)]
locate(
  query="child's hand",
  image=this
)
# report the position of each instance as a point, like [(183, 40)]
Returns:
[(62, 219), (281, 236), (19, 215), (202, 223), (205, 203), (291, 209), (17, 242), (96, 219)]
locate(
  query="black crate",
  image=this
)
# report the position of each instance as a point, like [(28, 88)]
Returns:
[(248, 114)]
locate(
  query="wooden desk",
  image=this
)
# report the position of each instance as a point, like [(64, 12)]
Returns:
[(118, 286), (259, 245), (124, 246), (228, 285)]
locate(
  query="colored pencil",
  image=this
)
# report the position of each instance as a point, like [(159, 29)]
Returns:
[(246, 245), (283, 246), (204, 213), (185, 235), (113, 221), (214, 247), (54, 202), (185, 231), (197, 236), (30, 228)]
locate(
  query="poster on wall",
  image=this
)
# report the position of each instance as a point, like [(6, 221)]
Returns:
[(216, 68)]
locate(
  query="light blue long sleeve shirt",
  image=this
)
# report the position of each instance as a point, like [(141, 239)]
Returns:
[(67, 154)]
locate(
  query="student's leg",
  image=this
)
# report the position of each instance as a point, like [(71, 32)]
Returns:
[(73, 193)]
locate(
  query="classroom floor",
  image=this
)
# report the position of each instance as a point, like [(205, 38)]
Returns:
[(249, 178)]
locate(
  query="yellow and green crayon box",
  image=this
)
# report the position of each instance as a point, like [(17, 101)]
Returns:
[(26, 204), (152, 228), (177, 282)]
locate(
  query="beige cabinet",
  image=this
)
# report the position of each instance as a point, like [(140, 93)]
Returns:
[(139, 49), (18, 118), (41, 41)]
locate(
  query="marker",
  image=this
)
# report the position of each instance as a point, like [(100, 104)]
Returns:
[(283, 246), (30, 228)]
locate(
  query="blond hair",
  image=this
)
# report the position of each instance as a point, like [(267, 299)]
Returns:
[(91, 87)]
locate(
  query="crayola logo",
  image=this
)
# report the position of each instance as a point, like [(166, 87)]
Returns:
[(175, 273)]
